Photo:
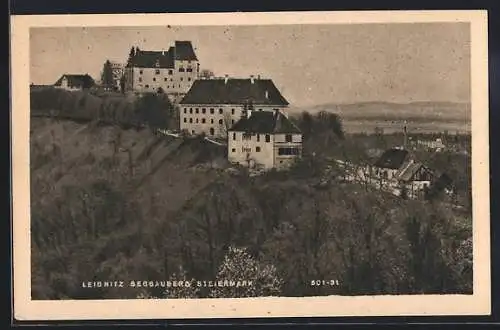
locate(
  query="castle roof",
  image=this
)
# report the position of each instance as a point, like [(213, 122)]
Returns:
[(76, 80), (265, 122), (234, 91), (182, 51)]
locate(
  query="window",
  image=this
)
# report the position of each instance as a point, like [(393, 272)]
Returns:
[(179, 85), (191, 120), (268, 138), (197, 120), (260, 109), (189, 78), (185, 120), (170, 72), (181, 70), (197, 110), (189, 70), (288, 138), (157, 71), (220, 121), (232, 121), (233, 150), (172, 79), (140, 79), (154, 79), (212, 120), (192, 131), (182, 78), (288, 151), (140, 71), (244, 149), (220, 111), (232, 111), (212, 111), (234, 136), (247, 136), (257, 149), (190, 110), (203, 120), (147, 86), (203, 110), (185, 110), (165, 79), (212, 130), (258, 137)]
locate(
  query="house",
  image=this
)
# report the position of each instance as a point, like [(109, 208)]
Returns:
[(397, 169), (389, 163), (172, 71), (212, 106), (415, 178), (264, 139), (74, 82)]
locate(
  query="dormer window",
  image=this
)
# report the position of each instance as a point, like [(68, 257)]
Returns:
[(157, 71), (157, 64)]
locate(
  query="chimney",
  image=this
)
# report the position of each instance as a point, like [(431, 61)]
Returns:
[(251, 79), (226, 77)]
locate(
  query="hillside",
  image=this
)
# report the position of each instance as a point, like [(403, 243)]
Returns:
[(110, 203)]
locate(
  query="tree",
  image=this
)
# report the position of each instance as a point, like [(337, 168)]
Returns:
[(107, 80), (238, 266), (185, 287), (131, 55)]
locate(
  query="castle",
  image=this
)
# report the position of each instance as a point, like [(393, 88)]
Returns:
[(172, 71)]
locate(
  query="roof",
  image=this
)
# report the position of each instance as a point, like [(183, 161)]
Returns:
[(392, 158), (76, 80), (183, 51), (266, 122), (408, 172), (152, 59), (234, 91)]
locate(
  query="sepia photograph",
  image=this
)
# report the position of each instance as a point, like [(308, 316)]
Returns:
[(276, 159)]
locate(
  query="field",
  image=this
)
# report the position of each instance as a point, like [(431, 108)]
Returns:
[(419, 117)]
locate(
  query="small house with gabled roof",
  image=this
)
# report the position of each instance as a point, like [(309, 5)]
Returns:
[(74, 82), (212, 106), (264, 139)]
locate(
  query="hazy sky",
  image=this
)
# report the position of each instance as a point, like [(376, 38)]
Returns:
[(311, 64)]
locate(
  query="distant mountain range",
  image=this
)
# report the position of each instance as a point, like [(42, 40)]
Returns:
[(414, 111)]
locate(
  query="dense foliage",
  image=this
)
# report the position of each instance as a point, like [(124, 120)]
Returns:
[(116, 204), (154, 110)]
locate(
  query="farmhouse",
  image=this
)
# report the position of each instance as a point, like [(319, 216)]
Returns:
[(264, 139), (212, 106), (172, 71), (74, 82)]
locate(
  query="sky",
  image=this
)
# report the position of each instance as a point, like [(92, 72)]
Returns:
[(310, 64)]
